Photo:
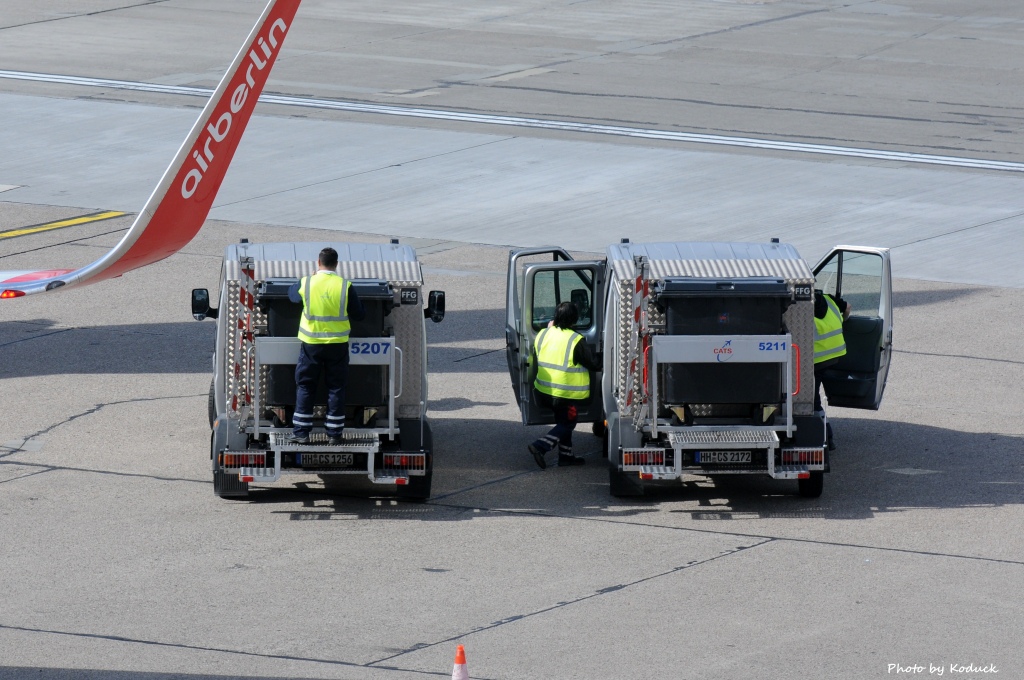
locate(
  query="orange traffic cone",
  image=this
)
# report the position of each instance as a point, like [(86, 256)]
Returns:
[(460, 672)]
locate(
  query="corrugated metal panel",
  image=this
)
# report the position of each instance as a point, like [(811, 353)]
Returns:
[(399, 273), (310, 250), (713, 260), (793, 271)]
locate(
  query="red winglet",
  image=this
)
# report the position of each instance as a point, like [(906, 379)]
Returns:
[(182, 199)]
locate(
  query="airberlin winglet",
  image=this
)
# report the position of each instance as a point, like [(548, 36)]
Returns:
[(182, 199)]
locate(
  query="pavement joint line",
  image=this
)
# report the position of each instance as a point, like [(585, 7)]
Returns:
[(732, 534), (766, 537), (583, 598), (482, 354), (84, 14), (65, 468), (69, 242), (537, 123), (30, 474), (958, 231), (98, 407), (366, 172), (958, 356), (218, 650), (36, 337), (61, 224)]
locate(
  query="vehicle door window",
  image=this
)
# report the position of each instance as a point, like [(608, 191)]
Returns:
[(827, 278), (551, 288), (862, 283)]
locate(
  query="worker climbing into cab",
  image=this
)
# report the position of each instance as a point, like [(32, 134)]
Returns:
[(829, 345), (564, 362)]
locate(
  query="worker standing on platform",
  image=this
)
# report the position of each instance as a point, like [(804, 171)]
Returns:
[(829, 345), (329, 305), (564, 362)]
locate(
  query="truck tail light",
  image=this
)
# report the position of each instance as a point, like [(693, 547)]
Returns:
[(643, 456), (240, 460), (405, 461), (803, 456)]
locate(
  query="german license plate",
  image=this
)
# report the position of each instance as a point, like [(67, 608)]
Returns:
[(324, 459), (712, 457)]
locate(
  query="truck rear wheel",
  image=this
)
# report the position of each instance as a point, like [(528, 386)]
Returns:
[(225, 485), (418, 488), (228, 486), (624, 484), (211, 406), (812, 486)]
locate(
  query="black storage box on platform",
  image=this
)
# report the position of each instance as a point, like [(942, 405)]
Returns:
[(752, 306), (366, 384)]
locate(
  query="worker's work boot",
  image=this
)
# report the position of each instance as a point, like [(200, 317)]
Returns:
[(297, 439), (538, 456), (336, 441)]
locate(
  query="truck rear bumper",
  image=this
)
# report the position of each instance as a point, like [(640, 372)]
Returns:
[(707, 451), (360, 454)]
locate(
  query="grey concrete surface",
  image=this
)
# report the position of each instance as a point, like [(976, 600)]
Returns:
[(942, 224), (118, 558), (924, 76), (118, 561)]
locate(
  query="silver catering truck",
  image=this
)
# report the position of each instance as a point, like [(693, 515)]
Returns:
[(708, 353), (252, 395)]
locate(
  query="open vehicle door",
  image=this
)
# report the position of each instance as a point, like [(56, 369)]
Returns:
[(535, 289), (863, 278)]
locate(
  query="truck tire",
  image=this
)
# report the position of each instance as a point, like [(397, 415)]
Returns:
[(418, 488), (599, 429), (623, 484), (812, 486), (212, 403), (225, 485), (228, 486)]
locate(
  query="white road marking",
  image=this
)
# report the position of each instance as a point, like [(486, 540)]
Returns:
[(536, 123)]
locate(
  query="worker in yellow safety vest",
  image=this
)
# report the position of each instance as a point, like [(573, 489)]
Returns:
[(564, 362), (829, 345), (329, 305)]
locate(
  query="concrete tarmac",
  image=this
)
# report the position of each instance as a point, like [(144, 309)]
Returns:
[(119, 562)]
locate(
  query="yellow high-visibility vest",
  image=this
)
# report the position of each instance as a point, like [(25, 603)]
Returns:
[(828, 334), (557, 374), (324, 309)]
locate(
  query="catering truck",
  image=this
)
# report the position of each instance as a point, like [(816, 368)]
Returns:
[(708, 353), (252, 395)]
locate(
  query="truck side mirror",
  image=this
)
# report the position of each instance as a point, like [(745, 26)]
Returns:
[(201, 308), (435, 306)]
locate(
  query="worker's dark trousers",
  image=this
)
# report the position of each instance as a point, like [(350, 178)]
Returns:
[(333, 360), (565, 422), (819, 370)]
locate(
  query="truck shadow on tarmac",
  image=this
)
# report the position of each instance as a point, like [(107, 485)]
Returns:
[(42, 347), (902, 299), (481, 467)]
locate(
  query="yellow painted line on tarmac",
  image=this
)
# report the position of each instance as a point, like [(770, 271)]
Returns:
[(61, 224)]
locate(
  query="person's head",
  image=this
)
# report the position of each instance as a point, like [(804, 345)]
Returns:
[(329, 258), (566, 315)]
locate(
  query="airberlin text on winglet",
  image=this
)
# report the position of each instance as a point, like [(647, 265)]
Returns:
[(182, 199), (216, 132)]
